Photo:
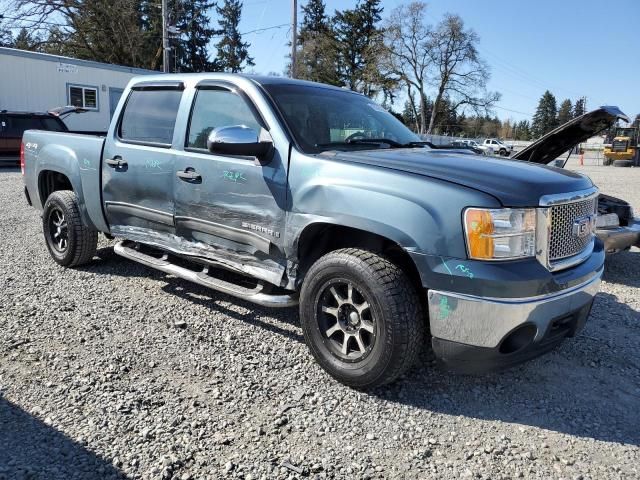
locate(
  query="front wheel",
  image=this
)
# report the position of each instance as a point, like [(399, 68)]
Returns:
[(361, 317), (70, 242)]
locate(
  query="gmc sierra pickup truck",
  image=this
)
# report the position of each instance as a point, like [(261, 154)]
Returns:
[(284, 192)]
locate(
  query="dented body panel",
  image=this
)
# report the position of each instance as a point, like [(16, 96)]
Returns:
[(174, 191)]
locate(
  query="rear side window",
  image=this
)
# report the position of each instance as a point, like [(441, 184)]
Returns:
[(150, 116), (15, 126), (52, 125), (217, 108)]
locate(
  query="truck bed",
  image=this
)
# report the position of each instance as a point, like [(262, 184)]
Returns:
[(75, 155)]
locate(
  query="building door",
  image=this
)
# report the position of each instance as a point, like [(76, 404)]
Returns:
[(114, 98)]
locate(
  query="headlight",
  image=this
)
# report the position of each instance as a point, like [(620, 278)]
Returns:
[(500, 234)]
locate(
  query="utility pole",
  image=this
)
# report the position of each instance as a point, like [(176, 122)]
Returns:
[(165, 37), (294, 35)]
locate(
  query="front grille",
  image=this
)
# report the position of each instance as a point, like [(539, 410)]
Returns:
[(619, 146), (563, 242)]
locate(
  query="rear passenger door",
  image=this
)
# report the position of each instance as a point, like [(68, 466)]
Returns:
[(138, 164)]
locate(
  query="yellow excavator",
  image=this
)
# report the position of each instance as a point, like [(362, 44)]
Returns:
[(623, 148)]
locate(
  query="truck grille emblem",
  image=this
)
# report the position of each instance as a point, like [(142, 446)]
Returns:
[(584, 226)]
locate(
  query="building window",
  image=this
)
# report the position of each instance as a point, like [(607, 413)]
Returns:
[(84, 97)]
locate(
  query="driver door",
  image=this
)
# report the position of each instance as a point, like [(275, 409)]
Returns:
[(229, 207)]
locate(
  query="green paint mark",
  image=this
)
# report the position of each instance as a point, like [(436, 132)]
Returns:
[(86, 162), (465, 270), (234, 176), (445, 309)]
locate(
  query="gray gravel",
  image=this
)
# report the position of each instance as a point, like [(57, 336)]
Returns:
[(116, 371)]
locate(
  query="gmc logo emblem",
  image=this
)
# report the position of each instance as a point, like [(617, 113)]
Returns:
[(584, 226)]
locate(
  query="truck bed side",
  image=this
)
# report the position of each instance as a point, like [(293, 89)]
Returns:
[(59, 161)]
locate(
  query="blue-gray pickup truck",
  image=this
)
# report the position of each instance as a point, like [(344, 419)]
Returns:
[(284, 192)]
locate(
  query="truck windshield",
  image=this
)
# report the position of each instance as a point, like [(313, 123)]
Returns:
[(327, 119)]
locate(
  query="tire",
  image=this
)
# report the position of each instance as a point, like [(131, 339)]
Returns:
[(623, 163), (70, 242), (503, 153), (390, 331)]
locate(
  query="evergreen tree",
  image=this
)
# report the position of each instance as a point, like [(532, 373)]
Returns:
[(191, 45), (25, 41), (546, 116), (579, 108), (522, 130), (314, 20), (233, 53), (359, 45), (316, 57), (565, 113)]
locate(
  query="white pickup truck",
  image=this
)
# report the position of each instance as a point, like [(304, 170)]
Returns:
[(493, 146)]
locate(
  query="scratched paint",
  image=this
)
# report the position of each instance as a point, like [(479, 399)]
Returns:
[(465, 270), (234, 176), (151, 163)]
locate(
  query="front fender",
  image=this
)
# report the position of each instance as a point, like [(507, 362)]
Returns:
[(420, 214)]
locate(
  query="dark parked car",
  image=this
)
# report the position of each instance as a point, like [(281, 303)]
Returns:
[(14, 124)]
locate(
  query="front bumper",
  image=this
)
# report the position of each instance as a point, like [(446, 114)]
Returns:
[(473, 333), (620, 238)]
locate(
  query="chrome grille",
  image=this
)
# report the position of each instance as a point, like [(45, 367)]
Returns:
[(563, 242)]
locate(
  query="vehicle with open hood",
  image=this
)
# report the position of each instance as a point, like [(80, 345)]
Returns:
[(616, 225), (284, 193)]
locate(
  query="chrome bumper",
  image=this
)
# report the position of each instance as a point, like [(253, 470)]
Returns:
[(620, 238), (485, 321)]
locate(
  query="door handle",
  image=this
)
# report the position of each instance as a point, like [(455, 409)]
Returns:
[(189, 175), (116, 162)]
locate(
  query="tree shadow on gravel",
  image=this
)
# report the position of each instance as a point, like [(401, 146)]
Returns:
[(623, 268), (30, 449), (109, 263), (587, 387)]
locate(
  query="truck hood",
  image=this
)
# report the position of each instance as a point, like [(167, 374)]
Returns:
[(513, 183), (550, 146)]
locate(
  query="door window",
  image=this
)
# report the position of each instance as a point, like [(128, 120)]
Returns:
[(150, 116), (215, 108)]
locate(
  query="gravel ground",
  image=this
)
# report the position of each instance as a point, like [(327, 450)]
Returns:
[(116, 371)]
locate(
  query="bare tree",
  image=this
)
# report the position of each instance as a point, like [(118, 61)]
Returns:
[(460, 73), (407, 38)]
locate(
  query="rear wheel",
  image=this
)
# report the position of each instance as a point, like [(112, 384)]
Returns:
[(361, 317), (70, 242)]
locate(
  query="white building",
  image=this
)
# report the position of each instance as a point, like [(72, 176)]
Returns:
[(37, 82)]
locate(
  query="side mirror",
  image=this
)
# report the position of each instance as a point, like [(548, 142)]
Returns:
[(239, 140)]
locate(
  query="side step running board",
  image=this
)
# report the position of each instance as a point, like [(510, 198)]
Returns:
[(255, 295)]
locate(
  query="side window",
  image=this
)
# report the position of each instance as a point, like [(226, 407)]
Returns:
[(150, 116), (84, 97), (215, 108), (52, 124)]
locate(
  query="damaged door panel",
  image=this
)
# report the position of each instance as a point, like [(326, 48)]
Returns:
[(138, 166), (230, 207)]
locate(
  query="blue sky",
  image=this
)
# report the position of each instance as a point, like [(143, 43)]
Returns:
[(567, 47)]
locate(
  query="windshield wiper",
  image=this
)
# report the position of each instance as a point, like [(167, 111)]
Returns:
[(376, 141)]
